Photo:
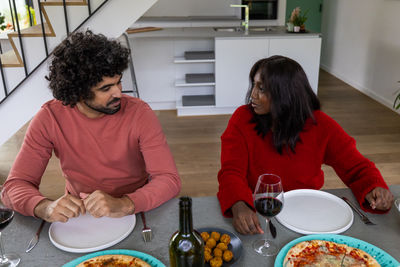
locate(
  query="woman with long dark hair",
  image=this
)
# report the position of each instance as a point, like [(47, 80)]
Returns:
[(281, 130)]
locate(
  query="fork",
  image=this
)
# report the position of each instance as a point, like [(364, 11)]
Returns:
[(363, 217), (146, 232)]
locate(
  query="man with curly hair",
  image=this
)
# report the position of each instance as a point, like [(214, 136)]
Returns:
[(112, 150)]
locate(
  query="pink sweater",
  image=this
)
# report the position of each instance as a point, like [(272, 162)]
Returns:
[(121, 154)]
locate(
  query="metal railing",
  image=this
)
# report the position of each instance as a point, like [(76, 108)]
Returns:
[(14, 14)]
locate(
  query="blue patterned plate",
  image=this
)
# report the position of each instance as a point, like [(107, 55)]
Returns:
[(146, 257), (384, 259)]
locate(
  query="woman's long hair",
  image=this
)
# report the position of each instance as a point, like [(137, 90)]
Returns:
[(291, 97)]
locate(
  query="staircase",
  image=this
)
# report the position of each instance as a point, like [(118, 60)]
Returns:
[(23, 88)]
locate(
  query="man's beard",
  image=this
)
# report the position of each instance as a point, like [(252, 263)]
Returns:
[(105, 110)]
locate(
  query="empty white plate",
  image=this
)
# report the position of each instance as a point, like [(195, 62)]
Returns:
[(308, 211), (87, 233)]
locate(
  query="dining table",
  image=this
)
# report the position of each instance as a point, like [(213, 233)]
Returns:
[(164, 221)]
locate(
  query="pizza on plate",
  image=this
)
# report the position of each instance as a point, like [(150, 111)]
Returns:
[(318, 253), (114, 261)]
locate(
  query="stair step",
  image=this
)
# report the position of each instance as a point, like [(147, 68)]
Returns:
[(67, 2), (10, 59), (34, 31)]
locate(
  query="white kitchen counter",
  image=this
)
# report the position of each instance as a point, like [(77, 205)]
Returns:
[(209, 32)]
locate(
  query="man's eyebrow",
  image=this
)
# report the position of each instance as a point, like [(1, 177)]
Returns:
[(108, 85)]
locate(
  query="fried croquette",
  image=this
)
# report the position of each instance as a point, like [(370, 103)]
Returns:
[(225, 239), (216, 262), (207, 256), (211, 243), (217, 252), (205, 236), (227, 256), (215, 235), (222, 246), (207, 249)]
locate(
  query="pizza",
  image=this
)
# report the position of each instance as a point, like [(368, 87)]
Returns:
[(318, 253), (114, 261)]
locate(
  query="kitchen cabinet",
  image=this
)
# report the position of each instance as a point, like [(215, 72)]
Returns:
[(306, 51), (235, 57), (233, 61), (194, 75), (162, 68)]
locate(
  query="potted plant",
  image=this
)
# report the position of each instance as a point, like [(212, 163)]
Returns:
[(297, 19), (2, 22)]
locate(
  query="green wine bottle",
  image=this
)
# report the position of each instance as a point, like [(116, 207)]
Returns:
[(186, 247)]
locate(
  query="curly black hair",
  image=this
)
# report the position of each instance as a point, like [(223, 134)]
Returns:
[(80, 62)]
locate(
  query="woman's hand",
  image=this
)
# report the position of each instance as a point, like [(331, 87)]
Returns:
[(245, 220), (380, 198)]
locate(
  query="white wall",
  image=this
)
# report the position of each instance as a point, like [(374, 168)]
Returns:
[(20, 106), (361, 45), (184, 8)]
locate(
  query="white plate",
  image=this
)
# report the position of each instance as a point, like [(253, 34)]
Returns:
[(397, 203), (308, 211), (86, 233)]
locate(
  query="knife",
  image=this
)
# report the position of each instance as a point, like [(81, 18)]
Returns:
[(35, 238), (272, 229)]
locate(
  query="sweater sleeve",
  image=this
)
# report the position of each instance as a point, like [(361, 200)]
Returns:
[(356, 171), (232, 178), (22, 185), (164, 182)]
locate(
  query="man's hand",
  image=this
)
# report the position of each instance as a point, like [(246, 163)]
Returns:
[(60, 210), (100, 204), (380, 198), (245, 220)]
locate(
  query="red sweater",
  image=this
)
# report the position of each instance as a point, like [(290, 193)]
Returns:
[(121, 154), (245, 155)]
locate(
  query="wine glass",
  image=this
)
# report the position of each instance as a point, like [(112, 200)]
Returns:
[(6, 216), (268, 201)]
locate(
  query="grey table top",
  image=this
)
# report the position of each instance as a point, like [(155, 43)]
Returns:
[(206, 213)]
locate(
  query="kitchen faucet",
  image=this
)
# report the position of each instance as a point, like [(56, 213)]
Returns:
[(245, 23)]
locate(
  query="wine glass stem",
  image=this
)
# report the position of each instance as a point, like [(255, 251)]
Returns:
[(3, 259), (267, 231)]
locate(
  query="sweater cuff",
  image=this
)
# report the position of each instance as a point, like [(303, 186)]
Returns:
[(361, 190), (31, 204), (139, 200), (228, 200)]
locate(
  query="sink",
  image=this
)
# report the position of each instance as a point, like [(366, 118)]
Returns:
[(228, 29), (261, 29), (241, 29)]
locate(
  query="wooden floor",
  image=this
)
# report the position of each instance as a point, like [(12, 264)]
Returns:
[(195, 141)]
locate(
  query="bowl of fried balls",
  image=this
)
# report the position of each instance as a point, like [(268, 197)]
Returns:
[(218, 250)]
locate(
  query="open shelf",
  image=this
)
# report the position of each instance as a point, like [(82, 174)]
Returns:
[(198, 100), (183, 60)]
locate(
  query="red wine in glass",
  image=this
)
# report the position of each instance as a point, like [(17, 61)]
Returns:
[(268, 206), (6, 216), (268, 201)]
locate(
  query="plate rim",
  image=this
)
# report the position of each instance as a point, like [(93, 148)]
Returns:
[(92, 249), (130, 252), (317, 193), (283, 251), (201, 229)]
